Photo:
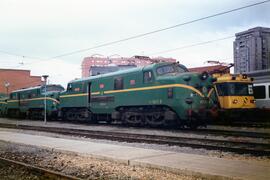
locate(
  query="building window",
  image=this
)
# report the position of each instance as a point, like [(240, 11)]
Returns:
[(259, 92), (118, 83)]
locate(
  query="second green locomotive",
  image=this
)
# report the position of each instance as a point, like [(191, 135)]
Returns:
[(29, 102), (156, 95)]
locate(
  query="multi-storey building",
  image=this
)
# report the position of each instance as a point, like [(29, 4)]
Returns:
[(99, 65), (252, 50)]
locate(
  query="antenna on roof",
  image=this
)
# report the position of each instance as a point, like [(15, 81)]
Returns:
[(224, 69)]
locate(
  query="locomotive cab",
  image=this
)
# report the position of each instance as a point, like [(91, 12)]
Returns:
[(187, 91), (233, 95)]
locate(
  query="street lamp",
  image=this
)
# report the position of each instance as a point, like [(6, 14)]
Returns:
[(45, 98), (7, 84)]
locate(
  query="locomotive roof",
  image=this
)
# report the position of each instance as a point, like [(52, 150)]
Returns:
[(34, 87), (26, 89), (150, 66)]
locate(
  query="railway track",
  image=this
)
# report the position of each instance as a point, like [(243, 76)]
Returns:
[(226, 133), (205, 131), (265, 124), (257, 149), (40, 172)]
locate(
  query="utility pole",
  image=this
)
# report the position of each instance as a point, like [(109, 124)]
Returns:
[(7, 84), (45, 98)]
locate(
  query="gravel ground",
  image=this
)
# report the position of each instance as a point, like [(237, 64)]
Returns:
[(75, 165), (12, 172), (212, 153)]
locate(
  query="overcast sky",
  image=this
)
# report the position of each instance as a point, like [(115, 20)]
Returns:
[(44, 29)]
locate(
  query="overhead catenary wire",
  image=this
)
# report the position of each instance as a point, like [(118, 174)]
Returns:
[(18, 55), (159, 30), (178, 48), (191, 45)]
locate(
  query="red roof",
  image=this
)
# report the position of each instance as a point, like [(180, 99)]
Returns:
[(208, 68)]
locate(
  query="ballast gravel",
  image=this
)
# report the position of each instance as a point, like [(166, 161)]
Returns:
[(84, 167)]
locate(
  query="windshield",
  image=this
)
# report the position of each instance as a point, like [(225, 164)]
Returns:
[(172, 68), (234, 89)]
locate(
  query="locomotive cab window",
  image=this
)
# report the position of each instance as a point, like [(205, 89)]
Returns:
[(147, 77), (234, 89), (118, 83), (165, 70), (171, 68)]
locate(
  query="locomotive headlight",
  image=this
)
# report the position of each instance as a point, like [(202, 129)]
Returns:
[(235, 101)]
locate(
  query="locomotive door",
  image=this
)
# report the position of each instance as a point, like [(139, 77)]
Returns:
[(89, 94), (19, 99)]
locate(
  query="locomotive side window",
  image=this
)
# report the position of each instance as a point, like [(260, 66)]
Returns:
[(147, 77), (118, 83), (69, 87), (269, 91), (13, 96), (259, 92)]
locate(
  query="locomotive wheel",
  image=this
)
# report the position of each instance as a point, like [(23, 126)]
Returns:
[(133, 119), (80, 115), (69, 115), (155, 119)]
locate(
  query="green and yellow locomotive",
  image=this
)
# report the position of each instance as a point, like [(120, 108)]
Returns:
[(30, 102), (156, 95)]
